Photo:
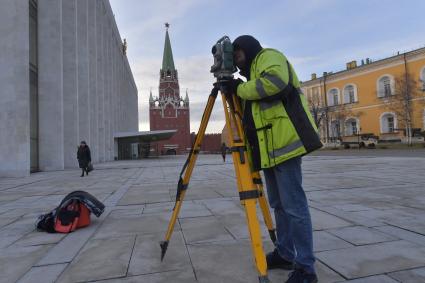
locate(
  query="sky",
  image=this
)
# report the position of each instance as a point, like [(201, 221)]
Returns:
[(315, 35)]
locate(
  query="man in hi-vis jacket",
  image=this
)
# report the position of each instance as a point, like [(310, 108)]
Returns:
[(279, 130)]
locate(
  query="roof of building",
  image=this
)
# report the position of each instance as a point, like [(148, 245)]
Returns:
[(366, 65), (147, 136), (167, 59)]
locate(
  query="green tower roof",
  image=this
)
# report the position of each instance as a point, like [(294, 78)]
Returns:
[(167, 59)]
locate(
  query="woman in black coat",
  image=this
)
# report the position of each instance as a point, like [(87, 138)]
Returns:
[(84, 157)]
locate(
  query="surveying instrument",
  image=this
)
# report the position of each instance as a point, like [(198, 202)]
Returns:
[(249, 183)]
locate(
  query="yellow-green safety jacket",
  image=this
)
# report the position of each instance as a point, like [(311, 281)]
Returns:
[(282, 122)]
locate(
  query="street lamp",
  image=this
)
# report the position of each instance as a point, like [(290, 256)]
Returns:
[(358, 136)]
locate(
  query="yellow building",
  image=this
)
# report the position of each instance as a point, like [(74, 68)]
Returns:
[(381, 98)]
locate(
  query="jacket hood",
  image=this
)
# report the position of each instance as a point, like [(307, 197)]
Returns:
[(251, 47)]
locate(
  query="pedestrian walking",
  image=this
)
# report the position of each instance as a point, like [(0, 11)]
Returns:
[(223, 151), (84, 158)]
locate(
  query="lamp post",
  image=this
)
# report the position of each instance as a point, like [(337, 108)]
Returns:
[(358, 136)]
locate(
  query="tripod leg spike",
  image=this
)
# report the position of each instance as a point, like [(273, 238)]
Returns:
[(263, 279), (164, 246)]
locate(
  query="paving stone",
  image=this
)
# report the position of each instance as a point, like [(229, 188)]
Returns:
[(100, 259), (350, 216), (325, 274), (191, 209), (358, 235), (15, 262), (221, 206), (237, 225), (47, 273), (145, 224), (14, 231), (352, 207), (70, 245), (232, 262), (6, 220), (322, 220), (323, 241), (146, 257), (374, 259), (204, 229), (127, 211), (195, 194), (373, 279), (414, 224), (410, 276), (39, 238), (160, 207), (161, 277), (403, 234), (144, 195)]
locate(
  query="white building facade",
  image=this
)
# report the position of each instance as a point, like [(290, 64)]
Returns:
[(64, 78)]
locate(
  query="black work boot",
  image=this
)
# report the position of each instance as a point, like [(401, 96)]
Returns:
[(274, 260), (301, 276)]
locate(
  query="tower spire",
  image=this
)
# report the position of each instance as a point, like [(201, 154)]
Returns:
[(167, 59)]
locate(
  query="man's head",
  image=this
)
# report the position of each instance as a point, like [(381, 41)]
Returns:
[(82, 143), (246, 47)]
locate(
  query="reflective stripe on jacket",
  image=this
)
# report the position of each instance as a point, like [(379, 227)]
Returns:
[(282, 122)]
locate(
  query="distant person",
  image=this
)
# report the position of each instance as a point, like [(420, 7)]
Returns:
[(84, 157), (223, 151)]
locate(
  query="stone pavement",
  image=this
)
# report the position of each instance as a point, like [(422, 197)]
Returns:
[(368, 216)]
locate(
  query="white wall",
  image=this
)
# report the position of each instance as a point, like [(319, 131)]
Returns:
[(86, 88), (14, 95)]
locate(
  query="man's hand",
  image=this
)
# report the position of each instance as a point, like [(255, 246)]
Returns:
[(230, 87)]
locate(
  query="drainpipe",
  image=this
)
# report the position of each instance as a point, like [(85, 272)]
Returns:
[(326, 107), (408, 101)]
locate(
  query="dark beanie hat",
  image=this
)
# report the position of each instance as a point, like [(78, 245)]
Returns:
[(250, 46)]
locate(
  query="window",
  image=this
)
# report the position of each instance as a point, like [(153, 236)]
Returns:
[(333, 97), (350, 94), (335, 129), (388, 123), (351, 127), (385, 86)]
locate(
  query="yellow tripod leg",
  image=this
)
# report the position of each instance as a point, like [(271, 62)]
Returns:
[(188, 169), (256, 179), (264, 206), (248, 191)]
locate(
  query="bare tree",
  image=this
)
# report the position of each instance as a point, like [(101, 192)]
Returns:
[(401, 102), (316, 108)]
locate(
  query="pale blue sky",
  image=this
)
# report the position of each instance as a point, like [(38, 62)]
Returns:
[(316, 36)]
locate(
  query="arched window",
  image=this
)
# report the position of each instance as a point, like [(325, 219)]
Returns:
[(335, 130), (350, 94), (385, 86), (351, 127), (388, 122), (333, 97)]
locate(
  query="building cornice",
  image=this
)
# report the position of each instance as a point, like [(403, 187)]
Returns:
[(368, 68)]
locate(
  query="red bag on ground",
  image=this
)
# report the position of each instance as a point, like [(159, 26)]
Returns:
[(73, 212), (72, 216)]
